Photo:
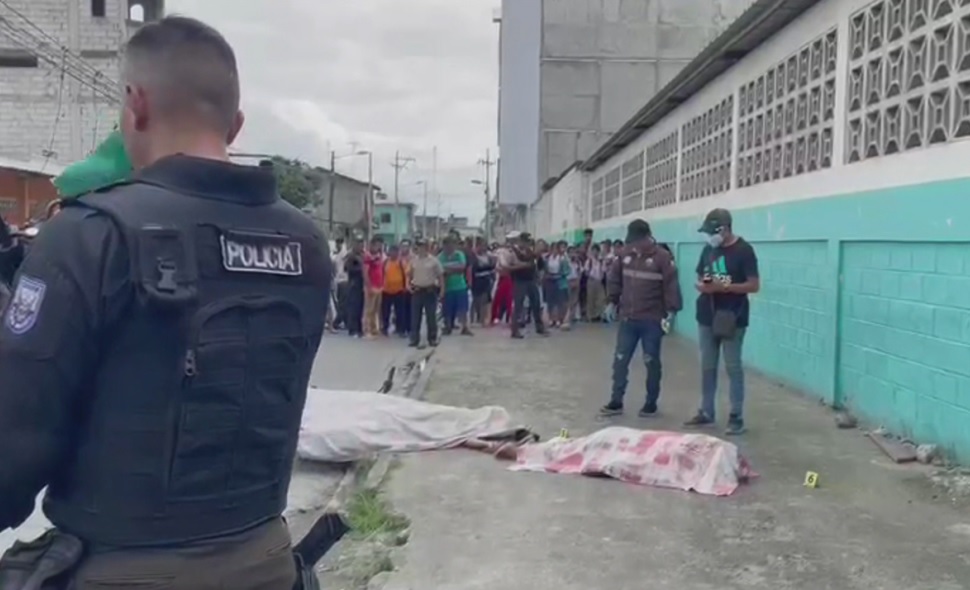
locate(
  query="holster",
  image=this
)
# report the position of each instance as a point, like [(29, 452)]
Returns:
[(46, 563), (306, 577)]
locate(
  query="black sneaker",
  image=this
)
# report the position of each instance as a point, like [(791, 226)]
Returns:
[(446, 332), (648, 411), (412, 344), (466, 332), (735, 426), (611, 409), (699, 420), (517, 336), (434, 343)]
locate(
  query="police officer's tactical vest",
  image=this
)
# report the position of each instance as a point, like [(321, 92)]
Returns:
[(190, 427)]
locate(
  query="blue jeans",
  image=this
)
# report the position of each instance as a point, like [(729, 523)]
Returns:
[(711, 349), (649, 334), (454, 307)]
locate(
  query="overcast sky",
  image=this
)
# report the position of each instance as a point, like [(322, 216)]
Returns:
[(389, 75)]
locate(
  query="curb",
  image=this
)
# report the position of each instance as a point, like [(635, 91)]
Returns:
[(369, 474)]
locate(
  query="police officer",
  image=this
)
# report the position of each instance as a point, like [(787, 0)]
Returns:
[(156, 351)]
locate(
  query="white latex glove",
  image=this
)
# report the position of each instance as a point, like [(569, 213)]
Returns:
[(665, 323), (610, 313)]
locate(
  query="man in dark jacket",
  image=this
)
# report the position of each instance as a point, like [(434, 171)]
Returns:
[(643, 284)]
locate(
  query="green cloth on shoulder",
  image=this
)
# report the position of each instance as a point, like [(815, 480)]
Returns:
[(107, 165), (454, 281)]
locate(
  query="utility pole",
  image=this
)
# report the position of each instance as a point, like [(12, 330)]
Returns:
[(400, 163), (332, 184), (424, 213), (434, 187), (488, 163), (369, 204)]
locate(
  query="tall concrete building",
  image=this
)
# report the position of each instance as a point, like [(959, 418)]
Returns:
[(573, 71), (59, 67)]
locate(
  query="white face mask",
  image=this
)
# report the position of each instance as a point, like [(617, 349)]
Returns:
[(715, 240)]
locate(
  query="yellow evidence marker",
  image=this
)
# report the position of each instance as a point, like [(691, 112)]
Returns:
[(563, 433), (811, 479)]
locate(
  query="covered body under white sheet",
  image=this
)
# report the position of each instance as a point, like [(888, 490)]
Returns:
[(343, 426)]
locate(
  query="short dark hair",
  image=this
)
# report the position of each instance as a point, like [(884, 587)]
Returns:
[(588, 231), (190, 65)]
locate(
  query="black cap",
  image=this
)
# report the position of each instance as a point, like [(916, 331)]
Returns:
[(715, 220), (637, 230), (420, 242)]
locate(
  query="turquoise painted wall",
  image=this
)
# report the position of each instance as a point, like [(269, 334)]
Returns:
[(865, 302), (401, 221)]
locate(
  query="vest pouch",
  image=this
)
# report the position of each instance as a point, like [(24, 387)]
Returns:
[(237, 415), (165, 267)]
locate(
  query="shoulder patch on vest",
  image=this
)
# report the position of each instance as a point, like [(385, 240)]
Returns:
[(261, 253), (24, 308)]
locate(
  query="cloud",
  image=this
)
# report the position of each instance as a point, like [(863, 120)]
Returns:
[(378, 75)]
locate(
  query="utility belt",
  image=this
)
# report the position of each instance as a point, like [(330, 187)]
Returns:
[(50, 561)]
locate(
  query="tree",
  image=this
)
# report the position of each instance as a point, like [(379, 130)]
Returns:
[(298, 183)]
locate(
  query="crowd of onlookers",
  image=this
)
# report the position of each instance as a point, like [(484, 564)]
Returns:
[(384, 289), (457, 283)]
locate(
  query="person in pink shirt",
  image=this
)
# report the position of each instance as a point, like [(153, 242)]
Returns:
[(373, 287)]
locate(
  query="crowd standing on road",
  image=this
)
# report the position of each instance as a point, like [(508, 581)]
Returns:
[(379, 293)]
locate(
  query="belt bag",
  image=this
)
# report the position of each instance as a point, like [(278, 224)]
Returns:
[(46, 563), (724, 323)]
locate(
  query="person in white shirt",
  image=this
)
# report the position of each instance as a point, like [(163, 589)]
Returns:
[(340, 278)]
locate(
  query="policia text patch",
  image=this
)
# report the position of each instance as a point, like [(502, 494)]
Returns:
[(261, 253)]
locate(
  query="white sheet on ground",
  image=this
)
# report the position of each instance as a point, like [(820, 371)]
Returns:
[(697, 462), (342, 426)]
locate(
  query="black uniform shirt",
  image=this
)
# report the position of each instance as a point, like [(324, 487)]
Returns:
[(74, 277), (73, 286)]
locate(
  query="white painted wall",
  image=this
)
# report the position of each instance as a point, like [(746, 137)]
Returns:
[(941, 161), (561, 208), (521, 39)]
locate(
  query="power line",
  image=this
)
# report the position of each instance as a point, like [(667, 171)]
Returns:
[(59, 62), (57, 119), (91, 69), (48, 49)]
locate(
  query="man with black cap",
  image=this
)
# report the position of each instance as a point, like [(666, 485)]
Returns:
[(643, 283), (727, 272)]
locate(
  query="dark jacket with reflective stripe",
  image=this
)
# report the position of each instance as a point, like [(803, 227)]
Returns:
[(644, 284)]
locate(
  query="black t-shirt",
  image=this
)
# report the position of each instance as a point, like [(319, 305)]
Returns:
[(483, 270), (732, 264), (528, 273), (354, 265)]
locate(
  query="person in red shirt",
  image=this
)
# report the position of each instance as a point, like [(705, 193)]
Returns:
[(373, 287)]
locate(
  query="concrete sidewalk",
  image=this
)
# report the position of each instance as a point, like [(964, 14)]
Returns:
[(871, 525)]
